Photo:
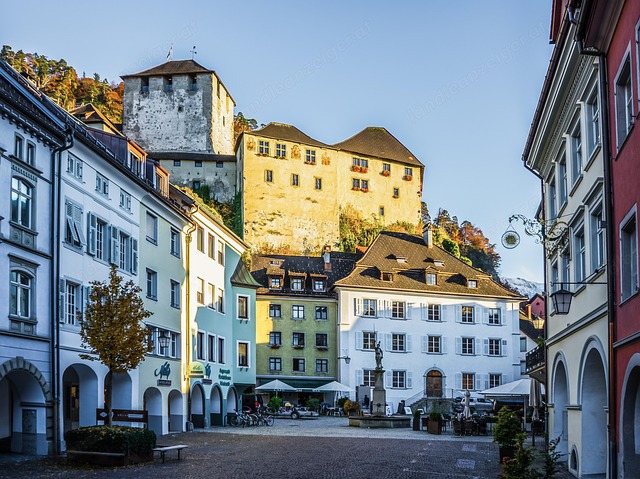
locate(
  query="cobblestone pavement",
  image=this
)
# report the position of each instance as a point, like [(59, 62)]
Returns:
[(321, 448)]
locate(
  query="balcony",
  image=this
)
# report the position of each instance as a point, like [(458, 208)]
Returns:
[(535, 363)]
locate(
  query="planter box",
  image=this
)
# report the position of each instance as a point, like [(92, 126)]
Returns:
[(112, 459), (434, 427)]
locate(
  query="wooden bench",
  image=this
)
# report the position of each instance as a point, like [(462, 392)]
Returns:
[(99, 458), (163, 449)]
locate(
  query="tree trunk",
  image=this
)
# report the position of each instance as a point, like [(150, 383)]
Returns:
[(108, 396)]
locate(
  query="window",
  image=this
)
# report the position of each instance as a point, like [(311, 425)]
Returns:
[(72, 303), (221, 351), (211, 294), (355, 183), (243, 354), (297, 312), (467, 314), (175, 294), (101, 237), (322, 365), (495, 380), (31, 153), (467, 346), (275, 338), (361, 163), (398, 309), (364, 185), (243, 307), (433, 312), (219, 164), (472, 283), (281, 150), (152, 284), (197, 163), (152, 228), (175, 243), (552, 199), (369, 377), (624, 102), (399, 379), (562, 178), (434, 344), (263, 147), (494, 347), (124, 251), (125, 200), (221, 253), (200, 291), (297, 284), (298, 340), (381, 211), (298, 365), (593, 123), (369, 307), (576, 154), (18, 150), (200, 346), (555, 278), (295, 179), (368, 340), (21, 287), (200, 238), (168, 84), (398, 342), (580, 252), (322, 340), (211, 246), (523, 345), (432, 279), (177, 162), (318, 285), (220, 301), (196, 185), (396, 192), (211, 347), (73, 226), (275, 364), (310, 157), (274, 282), (318, 182), (21, 203), (386, 167), (275, 310), (629, 257), (268, 176), (321, 313), (468, 381), (597, 238), (74, 166), (102, 185), (494, 316)]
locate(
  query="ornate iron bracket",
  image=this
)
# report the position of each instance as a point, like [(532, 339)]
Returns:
[(552, 236)]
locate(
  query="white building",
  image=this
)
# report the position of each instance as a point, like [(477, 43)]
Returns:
[(443, 325)]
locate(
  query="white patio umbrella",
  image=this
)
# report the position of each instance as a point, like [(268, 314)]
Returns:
[(535, 398), (275, 385), (335, 387)]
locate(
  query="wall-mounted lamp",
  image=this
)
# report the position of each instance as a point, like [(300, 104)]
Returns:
[(163, 339), (561, 299), (347, 359)]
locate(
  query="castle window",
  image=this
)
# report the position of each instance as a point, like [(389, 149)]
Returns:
[(197, 163), (281, 150), (144, 85), (396, 192), (295, 180), (168, 84), (193, 83), (381, 211), (310, 157), (268, 176), (263, 147), (318, 183)]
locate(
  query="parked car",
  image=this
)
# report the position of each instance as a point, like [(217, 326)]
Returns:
[(294, 412)]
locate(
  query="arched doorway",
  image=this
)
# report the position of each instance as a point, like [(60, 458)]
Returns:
[(232, 402), (197, 406), (594, 418), (630, 419), (122, 396), (215, 407), (434, 384), (23, 413), (560, 415), (152, 400), (175, 411), (80, 398)]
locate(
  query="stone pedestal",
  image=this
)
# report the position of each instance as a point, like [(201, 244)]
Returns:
[(379, 399)]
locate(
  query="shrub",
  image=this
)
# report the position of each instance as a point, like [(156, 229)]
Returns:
[(507, 428), (275, 403), (435, 416), (119, 439), (313, 404), (341, 402)]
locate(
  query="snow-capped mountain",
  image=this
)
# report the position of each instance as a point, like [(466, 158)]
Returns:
[(523, 286)]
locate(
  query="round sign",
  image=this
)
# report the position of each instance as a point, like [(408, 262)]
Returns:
[(510, 239)]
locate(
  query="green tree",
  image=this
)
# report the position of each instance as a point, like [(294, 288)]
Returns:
[(241, 124), (113, 330)]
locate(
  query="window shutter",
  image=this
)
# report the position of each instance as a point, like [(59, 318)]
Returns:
[(408, 342), (357, 306), (503, 349), (359, 377), (424, 344), (114, 256), (387, 342), (134, 256), (388, 379), (387, 309), (458, 345), (445, 311), (77, 221), (458, 310), (485, 315), (443, 345), (359, 340), (409, 381), (92, 227), (458, 380), (476, 310), (424, 314), (410, 307), (486, 347), (380, 307), (61, 292), (477, 346), (503, 315)]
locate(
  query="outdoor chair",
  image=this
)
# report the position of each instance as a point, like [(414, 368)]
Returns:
[(457, 427), (469, 427), (482, 427)]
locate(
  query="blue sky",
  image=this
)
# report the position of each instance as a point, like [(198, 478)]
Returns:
[(456, 82)]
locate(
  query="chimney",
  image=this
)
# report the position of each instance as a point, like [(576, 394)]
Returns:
[(326, 257), (427, 235)]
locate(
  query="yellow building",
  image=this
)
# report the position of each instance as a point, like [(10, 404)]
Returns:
[(295, 186)]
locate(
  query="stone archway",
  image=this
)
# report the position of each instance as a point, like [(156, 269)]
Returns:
[(215, 407), (629, 461), (152, 400), (232, 400), (25, 425), (197, 406), (593, 460), (80, 397), (560, 400), (434, 383), (175, 411)]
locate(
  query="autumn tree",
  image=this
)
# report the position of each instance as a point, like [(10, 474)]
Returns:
[(113, 330), (241, 124)]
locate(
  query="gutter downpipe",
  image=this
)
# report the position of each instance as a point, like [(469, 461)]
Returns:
[(56, 160), (187, 279)]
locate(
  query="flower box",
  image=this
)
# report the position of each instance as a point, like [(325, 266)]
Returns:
[(364, 190), (355, 168), (355, 188), (407, 177), (364, 169), (386, 173)]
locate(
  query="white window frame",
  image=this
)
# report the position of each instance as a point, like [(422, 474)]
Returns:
[(240, 298), (75, 167), (152, 284), (22, 198), (579, 249), (175, 242), (623, 99), (592, 112), (576, 152), (238, 357), (629, 255), (102, 185), (151, 228), (297, 312), (174, 294)]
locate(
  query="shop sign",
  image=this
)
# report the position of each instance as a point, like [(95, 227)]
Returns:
[(196, 370)]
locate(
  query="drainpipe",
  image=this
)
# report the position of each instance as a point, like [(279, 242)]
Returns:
[(56, 159), (190, 230)]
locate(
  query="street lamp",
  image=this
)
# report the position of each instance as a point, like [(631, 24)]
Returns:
[(561, 300), (347, 359), (163, 340)]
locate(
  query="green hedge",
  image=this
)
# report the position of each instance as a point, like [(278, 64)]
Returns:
[(123, 439)]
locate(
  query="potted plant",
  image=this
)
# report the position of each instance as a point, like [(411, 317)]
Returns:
[(416, 420), (506, 432), (434, 425), (386, 173)]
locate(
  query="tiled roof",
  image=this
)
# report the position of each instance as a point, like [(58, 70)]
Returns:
[(527, 327), (408, 257), (242, 277), (264, 266), (282, 131), (175, 67), (379, 143), (90, 114), (184, 155)]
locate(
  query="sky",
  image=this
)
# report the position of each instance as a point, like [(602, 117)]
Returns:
[(456, 82)]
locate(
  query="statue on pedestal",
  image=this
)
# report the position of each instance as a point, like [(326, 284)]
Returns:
[(378, 356)]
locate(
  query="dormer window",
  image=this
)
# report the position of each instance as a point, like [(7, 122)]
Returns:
[(472, 283), (401, 259), (432, 279), (318, 285), (274, 282), (296, 284), (387, 276), (438, 263)]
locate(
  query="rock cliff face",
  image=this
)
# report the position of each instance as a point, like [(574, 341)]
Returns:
[(524, 287)]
